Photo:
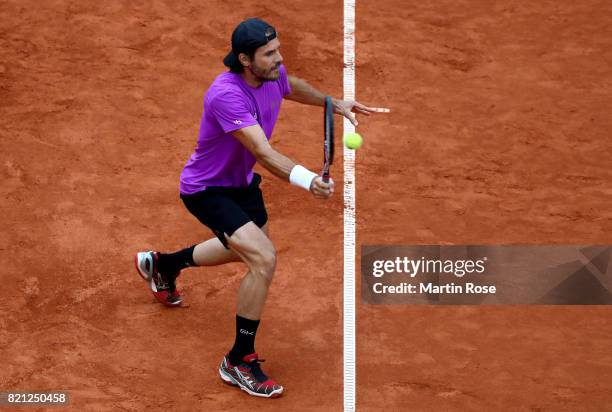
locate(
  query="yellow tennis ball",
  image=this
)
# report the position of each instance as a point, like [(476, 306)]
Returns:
[(352, 140)]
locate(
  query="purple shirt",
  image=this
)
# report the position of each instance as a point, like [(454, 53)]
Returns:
[(231, 104)]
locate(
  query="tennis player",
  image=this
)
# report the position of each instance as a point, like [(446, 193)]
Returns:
[(219, 188)]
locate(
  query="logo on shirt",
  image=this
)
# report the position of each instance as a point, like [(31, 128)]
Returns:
[(237, 121)]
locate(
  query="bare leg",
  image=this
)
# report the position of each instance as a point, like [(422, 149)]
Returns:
[(212, 252), (256, 250)]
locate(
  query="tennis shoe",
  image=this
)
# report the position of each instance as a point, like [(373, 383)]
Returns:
[(161, 285), (249, 377)]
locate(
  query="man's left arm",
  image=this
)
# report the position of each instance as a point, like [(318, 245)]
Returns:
[(302, 92)]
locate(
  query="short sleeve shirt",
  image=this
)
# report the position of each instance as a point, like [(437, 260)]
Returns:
[(231, 104)]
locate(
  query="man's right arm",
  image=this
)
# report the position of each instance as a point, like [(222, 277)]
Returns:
[(254, 139)]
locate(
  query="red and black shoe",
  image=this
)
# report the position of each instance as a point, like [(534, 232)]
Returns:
[(162, 286), (249, 377)]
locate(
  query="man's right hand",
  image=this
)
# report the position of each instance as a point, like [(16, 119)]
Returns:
[(320, 189)]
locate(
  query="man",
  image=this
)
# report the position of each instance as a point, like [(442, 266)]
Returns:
[(219, 188)]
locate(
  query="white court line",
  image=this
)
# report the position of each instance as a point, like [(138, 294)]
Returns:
[(349, 214)]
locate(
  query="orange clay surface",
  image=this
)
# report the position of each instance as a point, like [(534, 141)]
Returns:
[(500, 133)]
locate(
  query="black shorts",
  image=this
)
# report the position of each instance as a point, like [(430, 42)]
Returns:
[(226, 209)]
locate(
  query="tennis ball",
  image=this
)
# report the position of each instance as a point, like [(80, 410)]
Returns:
[(352, 140)]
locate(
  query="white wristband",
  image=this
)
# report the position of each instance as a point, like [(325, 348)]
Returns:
[(302, 177)]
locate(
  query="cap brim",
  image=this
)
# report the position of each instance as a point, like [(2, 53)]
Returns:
[(230, 60)]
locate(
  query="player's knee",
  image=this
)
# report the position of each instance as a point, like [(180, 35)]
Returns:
[(268, 258), (266, 263)]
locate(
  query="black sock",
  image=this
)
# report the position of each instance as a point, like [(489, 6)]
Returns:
[(172, 263), (245, 339)]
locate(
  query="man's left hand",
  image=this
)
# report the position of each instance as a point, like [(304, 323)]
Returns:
[(347, 107)]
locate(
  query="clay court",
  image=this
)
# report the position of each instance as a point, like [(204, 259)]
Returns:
[(499, 134)]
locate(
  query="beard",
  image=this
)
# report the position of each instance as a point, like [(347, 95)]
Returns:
[(269, 75)]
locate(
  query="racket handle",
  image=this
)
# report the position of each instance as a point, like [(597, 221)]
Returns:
[(326, 178)]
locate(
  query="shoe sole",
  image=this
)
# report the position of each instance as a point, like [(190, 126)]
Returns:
[(233, 382), (149, 281)]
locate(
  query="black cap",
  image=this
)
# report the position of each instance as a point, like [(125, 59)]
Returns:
[(248, 36)]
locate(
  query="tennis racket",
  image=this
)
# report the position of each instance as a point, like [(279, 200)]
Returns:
[(328, 144)]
